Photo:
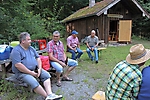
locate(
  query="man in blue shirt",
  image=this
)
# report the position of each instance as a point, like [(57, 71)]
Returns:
[(25, 61)]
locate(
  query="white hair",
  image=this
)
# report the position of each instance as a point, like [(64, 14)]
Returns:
[(93, 31), (56, 32)]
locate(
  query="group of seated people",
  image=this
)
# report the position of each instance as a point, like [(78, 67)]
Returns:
[(25, 60), (126, 81), (55, 49), (73, 46)]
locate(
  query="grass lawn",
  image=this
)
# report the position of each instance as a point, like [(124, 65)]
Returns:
[(108, 59)]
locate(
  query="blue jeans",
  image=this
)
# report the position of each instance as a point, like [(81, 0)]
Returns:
[(59, 68), (74, 56), (90, 55)]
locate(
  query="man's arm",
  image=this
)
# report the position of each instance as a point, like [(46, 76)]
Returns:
[(70, 47), (39, 63), (39, 66), (87, 43), (68, 44), (96, 42), (23, 69), (51, 57), (96, 45), (78, 45)]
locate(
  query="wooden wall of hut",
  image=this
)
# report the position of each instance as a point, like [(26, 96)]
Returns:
[(101, 24), (84, 26)]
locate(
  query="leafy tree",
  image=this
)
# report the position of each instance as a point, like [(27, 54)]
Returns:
[(19, 18), (49, 10), (141, 28)]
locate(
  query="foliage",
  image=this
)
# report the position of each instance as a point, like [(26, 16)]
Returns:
[(19, 18), (41, 17), (50, 13), (141, 28)]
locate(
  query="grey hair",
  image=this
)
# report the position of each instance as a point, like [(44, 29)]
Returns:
[(23, 36), (93, 31), (56, 32)]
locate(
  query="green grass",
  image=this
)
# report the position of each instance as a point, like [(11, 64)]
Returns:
[(101, 71)]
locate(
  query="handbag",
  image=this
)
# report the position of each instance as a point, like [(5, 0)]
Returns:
[(45, 62)]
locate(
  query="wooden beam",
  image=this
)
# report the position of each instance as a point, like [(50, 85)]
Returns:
[(115, 15)]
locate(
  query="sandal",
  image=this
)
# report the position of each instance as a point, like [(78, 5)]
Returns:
[(67, 79), (58, 84)]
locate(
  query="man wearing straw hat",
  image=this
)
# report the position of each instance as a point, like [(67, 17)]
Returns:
[(125, 79)]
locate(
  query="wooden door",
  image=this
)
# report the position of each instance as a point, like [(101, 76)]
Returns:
[(125, 27)]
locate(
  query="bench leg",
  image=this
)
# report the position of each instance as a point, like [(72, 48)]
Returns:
[(99, 53), (3, 73)]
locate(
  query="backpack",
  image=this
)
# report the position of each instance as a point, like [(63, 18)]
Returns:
[(45, 62), (5, 51)]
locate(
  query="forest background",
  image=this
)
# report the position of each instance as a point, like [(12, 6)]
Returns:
[(41, 17)]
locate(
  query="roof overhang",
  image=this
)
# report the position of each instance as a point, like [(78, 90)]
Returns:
[(104, 10), (132, 5)]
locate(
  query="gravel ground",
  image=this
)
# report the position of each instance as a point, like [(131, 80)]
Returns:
[(82, 87), (79, 89)]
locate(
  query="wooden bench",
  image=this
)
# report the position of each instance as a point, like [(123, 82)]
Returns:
[(99, 49), (11, 78), (17, 82)]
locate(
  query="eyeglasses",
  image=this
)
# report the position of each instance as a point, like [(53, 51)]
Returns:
[(55, 36)]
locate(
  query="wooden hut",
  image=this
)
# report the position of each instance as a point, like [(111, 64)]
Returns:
[(112, 19)]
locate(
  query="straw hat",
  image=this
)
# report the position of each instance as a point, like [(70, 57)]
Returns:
[(138, 54)]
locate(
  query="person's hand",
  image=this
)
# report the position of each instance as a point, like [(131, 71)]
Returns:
[(75, 49), (62, 64), (92, 49), (33, 73), (39, 72)]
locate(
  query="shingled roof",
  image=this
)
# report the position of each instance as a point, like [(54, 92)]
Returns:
[(98, 9)]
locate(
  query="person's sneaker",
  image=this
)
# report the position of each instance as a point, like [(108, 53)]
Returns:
[(53, 97), (96, 62)]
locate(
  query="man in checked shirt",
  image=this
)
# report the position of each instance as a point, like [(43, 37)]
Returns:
[(58, 59), (125, 80)]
